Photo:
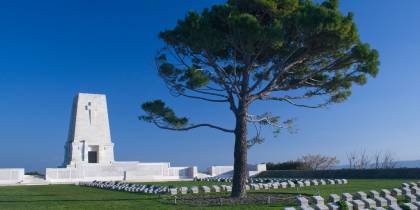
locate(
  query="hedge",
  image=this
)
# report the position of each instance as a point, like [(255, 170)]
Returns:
[(397, 173)]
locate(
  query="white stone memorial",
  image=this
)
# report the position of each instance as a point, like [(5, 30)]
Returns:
[(89, 150)]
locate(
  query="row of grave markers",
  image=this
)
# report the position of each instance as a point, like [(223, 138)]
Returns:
[(142, 188), (376, 200), (305, 182)]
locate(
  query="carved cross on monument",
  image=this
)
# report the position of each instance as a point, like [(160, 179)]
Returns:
[(88, 108)]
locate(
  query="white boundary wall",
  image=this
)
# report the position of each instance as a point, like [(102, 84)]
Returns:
[(11, 175), (120, 171), (220, 170), (227, 171)]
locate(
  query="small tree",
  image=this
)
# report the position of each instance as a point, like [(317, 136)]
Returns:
[(318, 162), (388, 160), (377, 160), (361, 160), (246, 51), (384, 160)]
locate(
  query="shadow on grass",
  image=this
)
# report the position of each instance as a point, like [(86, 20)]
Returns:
[(263, 199)]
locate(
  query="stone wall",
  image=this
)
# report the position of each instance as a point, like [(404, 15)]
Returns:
[(227, 171), (120, 171), (398, 173), (11, 175), (69, 175), (220, 170)]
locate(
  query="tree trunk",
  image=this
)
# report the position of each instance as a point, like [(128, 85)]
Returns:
[(240, 171)]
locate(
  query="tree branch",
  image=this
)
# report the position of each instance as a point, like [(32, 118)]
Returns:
[(194, 126), (202, 98), (295, 104)]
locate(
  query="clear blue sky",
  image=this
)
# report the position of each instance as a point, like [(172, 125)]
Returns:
[(51, 50)]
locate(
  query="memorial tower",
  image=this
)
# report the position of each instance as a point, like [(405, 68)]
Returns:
[(89, 140)]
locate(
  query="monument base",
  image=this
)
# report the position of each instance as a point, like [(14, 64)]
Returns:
[(119, 171)]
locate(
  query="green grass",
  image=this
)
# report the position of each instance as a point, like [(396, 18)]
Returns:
[(76, 197)]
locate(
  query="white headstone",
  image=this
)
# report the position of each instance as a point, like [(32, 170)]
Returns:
[(318, 199), (205, 189), (194, 189), (302, 201), (215, 188), (374, 194), (361, 195), (380, 201), (369, 203), (333, 206), (334, 198), (347, 197), (358, 204), (396, 192), (385, 192), (390, 200)]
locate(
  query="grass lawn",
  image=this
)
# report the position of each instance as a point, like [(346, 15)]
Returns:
[(76, 197)]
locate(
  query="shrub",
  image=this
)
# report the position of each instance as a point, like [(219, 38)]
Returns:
[(402, 199), (289, 165), (343, 205), (404, 207)]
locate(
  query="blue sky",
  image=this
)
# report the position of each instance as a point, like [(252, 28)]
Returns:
[(51, 50)]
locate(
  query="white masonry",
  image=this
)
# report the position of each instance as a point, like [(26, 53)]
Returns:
[(89, 151), (89, 138)]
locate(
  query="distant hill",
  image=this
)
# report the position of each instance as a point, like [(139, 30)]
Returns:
[(408, 164)]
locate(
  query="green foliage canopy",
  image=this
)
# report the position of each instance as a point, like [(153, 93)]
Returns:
[(262, 50)]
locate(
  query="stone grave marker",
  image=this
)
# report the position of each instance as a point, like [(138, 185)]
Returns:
[(347, 197), (205, 189), (216, 188), (358, 204), (319, 203), (390, 200), (334, 198), (396, 192)]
